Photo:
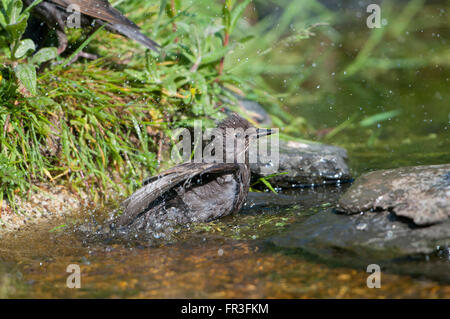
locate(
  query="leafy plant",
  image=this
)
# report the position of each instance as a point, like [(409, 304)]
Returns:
[(366, 122), (231, 14), (10, 178), (265, 181), (13, 22)]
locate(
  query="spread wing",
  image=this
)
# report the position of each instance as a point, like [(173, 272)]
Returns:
[(100, 9), (117, 22), (158, 185)]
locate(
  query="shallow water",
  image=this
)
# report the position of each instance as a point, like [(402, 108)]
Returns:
[(227, 258)]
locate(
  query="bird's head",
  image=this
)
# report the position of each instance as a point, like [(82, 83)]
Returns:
[(240, 131)]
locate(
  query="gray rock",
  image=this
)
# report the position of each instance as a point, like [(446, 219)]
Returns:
[(306, 163), (373, 237), (421, 193), (255, 111), (251, 109), (397, 218), (367, 234)]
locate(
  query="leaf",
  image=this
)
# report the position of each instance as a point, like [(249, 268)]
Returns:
[(138, 75), (269, 186), (78, 50), (2, 20), (213, 29), (246, 39), (170, 85), (14, 10), (57, 228), (31, 6), (23, 47), (162, 6), (17, 29), (3, 42), (236, 14), (379, 118), (226, 13), (216, 55), (170, 13), (5, 3), (44, 54), (26, 73), (42, 102)]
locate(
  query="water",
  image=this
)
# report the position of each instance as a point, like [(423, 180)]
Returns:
[(407, 72), (222, 259)]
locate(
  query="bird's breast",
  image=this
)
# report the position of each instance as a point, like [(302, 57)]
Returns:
[(214, 199)]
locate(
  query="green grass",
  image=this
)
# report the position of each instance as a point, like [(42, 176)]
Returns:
[(98, 126)]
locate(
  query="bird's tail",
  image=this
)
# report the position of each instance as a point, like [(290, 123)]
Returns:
[(135, 34)]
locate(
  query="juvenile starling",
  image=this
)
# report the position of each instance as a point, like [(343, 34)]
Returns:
[(93, 13), (193, 192)]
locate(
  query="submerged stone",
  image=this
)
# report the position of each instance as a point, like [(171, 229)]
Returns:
[(373, 237), (396, 218)]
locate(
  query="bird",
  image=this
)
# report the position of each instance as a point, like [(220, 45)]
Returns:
[(193, 191), (93, 13)]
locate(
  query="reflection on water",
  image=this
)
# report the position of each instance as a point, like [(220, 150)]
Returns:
[(226, 258), (406, 71)]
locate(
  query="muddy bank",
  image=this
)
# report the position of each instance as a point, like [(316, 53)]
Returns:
[(47, 202)]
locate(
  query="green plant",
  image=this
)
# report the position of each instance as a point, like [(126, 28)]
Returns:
[(265, 181), (231, 13), (367, 122), (103, 125), (13, 22), (11, 178), (99, 126)]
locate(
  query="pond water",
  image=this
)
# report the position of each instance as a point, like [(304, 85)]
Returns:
[(404, 80), (231, 258)]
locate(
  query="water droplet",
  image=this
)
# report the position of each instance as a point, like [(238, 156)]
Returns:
[(361, 226)]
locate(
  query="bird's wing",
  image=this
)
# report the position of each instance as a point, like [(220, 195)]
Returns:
[(116, 21), (158, 185), (100, 9)]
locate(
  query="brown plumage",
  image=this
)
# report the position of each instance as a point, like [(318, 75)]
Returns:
[(94, 13), (191, 192)]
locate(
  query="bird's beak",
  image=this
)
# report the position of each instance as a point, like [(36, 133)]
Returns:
[(260, 132)]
